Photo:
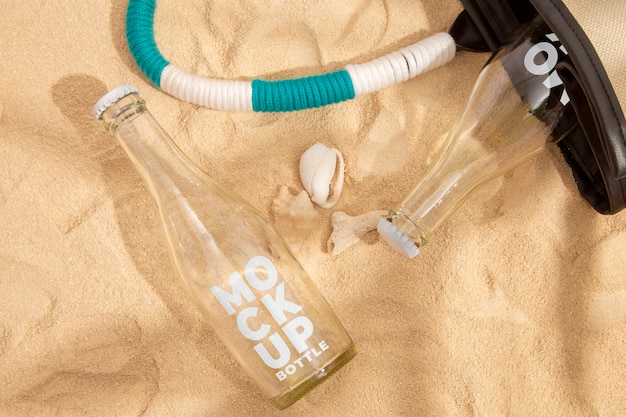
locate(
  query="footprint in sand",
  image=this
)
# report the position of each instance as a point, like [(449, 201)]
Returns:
[(385, 147)]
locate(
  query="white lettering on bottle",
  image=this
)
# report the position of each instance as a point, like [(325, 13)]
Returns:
[(278, 305), (298, 331), (310, 356), (291, 330), (545, 50), (253, 277), (238, 288), (242, 324), (284, 354), (323, 346), (550, 55)]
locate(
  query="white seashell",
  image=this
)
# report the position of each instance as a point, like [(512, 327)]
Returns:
[(320, 174), (348, 230), (294, 217)]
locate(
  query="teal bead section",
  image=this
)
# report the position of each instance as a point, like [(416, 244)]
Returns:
[(140, 37), (302, 93)]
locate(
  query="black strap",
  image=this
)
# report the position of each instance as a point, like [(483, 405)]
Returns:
[(486, 25)]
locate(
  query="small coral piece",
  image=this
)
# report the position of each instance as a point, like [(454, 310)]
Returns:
[(321, 173), (294, 217), (348, 230)]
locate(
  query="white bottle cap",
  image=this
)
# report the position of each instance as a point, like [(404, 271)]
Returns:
[(111, 97), (397, 239)]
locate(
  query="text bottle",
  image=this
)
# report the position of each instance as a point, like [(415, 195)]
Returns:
[(236, 268)]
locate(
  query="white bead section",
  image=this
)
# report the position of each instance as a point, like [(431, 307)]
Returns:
[(403, 64), (214, 93)]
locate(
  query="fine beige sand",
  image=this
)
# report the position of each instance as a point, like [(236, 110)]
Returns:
[(516, 307)]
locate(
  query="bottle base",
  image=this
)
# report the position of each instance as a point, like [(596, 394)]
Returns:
[(285, 400)]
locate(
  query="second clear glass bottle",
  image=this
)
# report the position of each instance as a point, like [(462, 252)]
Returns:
[(515, 110)]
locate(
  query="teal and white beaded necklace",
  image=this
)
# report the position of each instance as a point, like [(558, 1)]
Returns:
[(282, 95)]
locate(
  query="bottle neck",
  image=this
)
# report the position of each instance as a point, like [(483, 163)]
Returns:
[(157, 158), (123, 112)]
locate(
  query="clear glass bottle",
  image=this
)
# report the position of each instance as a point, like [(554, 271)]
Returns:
[(515, 110), (236, 268)]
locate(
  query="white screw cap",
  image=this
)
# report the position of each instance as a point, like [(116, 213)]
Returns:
[(397, 239), (111, 97)]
